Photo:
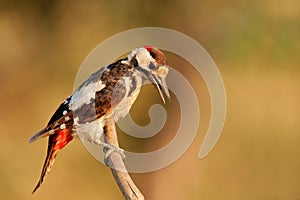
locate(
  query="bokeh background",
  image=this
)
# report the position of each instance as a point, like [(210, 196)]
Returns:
[(255, 45)]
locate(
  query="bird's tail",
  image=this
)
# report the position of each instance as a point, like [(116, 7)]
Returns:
[(56, 142), (42, 133)]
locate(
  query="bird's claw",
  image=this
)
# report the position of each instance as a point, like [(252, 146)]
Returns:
[(111, 149)]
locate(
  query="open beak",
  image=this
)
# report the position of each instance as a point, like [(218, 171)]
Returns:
[(161, 85), (159, 82)]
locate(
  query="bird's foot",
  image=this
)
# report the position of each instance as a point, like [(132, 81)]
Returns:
[(109, 149)]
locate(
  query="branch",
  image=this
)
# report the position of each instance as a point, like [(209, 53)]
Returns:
[(115, 161)]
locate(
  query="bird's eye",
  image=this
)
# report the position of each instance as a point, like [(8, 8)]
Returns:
[(152, 66)]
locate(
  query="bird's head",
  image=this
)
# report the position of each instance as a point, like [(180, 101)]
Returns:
[(152, 64)]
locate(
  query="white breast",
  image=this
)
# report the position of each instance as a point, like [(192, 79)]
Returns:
[(122, 109)]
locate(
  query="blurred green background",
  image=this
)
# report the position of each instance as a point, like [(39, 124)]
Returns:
[(255, 45)]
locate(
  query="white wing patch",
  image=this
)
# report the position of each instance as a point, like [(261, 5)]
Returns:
[(84, 94)]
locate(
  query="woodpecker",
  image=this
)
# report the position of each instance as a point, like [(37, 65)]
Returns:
[(107, 94)]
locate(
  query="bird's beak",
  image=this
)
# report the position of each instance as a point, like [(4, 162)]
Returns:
[(161, 85)]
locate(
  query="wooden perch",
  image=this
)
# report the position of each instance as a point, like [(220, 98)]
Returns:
[(114, 161)]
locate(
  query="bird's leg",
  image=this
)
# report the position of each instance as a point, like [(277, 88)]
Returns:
[(112, 149), (108, 149)]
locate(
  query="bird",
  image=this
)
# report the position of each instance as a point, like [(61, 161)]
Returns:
[(107, 94)]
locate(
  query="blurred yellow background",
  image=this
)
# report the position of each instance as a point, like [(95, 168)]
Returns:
[(255, 45)]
